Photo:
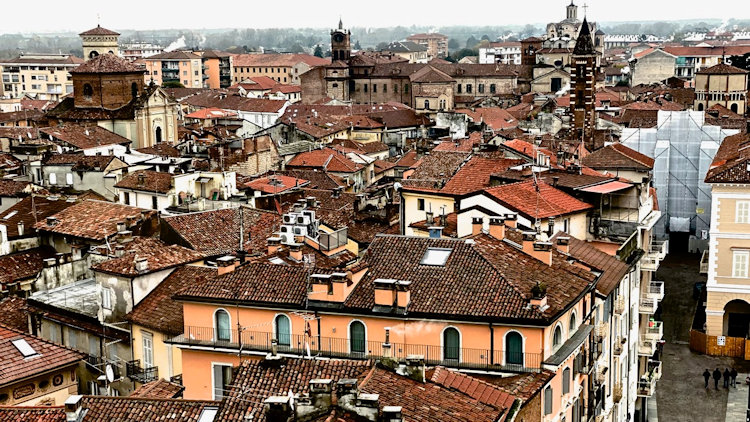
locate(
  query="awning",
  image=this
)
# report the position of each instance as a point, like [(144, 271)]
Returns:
[(570, 346), (608, 187), (204, 179)]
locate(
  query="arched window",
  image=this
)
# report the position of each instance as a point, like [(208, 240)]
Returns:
[(557, 337), (700, 106), (451, 344), (158, 134), (733, 107), (93, 54), (573, 324), (566, 381), (222, 326), (283, 330), (513, 348), (426, 104), (134, 90), (357, 338), (88, 91)]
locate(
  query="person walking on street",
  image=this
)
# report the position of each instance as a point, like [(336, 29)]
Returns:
[(706, 377), (717, 377), (726, 377), (734, 374)]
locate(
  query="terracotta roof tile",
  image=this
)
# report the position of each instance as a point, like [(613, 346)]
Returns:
[(722, 69), (217, 99), (612, 269), (326, 159), (162, 149), (553, 202), (159, 389), (147, 181), (731, 161), (84, 137), (14, 188), (618, 156), (32, 414), (157, 311), (14, 315), (90, 219), (217, 232), (99, 31), (475, 174), (107, 63), (49, 356), (494, 117), (275, 183), (279, 60), (126, 409), (23, 265), (159, 256)]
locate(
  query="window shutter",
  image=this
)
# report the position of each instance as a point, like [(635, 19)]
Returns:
[(548, 401)]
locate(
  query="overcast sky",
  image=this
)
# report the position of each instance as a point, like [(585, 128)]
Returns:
[(79, 15)]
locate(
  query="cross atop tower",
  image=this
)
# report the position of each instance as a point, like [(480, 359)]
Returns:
[(585, 9)]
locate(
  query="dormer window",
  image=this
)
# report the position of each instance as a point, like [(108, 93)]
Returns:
[(436, 256)]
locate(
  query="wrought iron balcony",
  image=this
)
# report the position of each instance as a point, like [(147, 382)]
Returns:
[(137, 373), (305, 345)]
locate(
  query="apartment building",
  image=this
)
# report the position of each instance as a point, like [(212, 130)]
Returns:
[(175, 67), (217, 69), (41, 76), (500, 52), (282, 68), (437, 44)]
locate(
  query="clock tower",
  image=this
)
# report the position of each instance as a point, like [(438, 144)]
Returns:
[(341, 47)]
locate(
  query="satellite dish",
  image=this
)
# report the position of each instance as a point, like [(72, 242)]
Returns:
[(109, 372)]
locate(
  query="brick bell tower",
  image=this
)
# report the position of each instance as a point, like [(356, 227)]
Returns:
[(583, 87), (341, 47)]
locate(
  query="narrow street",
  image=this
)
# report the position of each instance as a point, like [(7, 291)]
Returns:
[(680, 393)]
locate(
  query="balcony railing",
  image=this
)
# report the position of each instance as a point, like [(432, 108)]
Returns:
[(304, 345), (655, 331), (653, 257), (647, 346), (601, 331), (617, 346), (647, 383), (656, 290), (648, 306), (143, 375), (620, 305)]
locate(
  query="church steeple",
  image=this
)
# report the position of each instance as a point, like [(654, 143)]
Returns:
[(571, 11), (341, 23), (584, 43)]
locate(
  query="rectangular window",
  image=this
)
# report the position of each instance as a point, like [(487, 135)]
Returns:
[(420, 204), (154, 202), (548, 401), (468, 88), (69, 179), (481, 88), (374, 88), (106, 298), (52, 179), (566, 381), (743, 212), (458, 89), (492, 88), (222, 377), (148, 349), (126, 198), (365, 87), (739, 263)]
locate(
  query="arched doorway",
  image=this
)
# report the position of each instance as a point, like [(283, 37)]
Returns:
[(700, 106), (737, 318), (158, 134), (357, 338), (513, 349)]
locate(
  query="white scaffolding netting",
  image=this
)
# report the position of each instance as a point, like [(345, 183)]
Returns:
[(683, 148)]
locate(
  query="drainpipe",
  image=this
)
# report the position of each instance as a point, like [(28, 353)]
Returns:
[(492, 344)]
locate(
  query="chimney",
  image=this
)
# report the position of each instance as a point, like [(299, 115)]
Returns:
[(435, 232), (295, 251), (141, 179), (336, 193), (392, 414), (563, 244), (73, 409), (476, 225), (367, 406), (555, 179), (497, 227), (225, 264), (321, 391), (121, 226), (415, 367), (20, 228), (539, 296), (511, 220), (119, 251), (277, 409), (385, 291), (274, 244), (240, 256), (124, 236), (550, 226), (538, 249), (403, 293), (429, 217), (141, 265), (51, 221), (310, 201)]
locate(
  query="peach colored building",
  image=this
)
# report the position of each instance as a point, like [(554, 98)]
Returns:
[(501, 302), (181, 67), (217, 68), (283, 68)]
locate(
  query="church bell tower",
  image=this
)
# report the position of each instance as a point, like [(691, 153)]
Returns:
[(341, 47), (583, 87)]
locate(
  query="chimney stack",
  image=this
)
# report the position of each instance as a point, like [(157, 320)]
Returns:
[(415, 367), (538, 249), (392, 414), (274, 244), (497, 227), (295, 251), (141, 265), (476, 225), (277, 409), (539, 296), (563, 244), (511, 220), (20, 228), (225, 264), (403, 293), (51, 221), (429, 217), (73, 409), (385, 291), (141, 179)]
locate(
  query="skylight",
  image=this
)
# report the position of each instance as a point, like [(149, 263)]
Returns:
[(10, 214), (436, 256), (208, 414), (24, 347)]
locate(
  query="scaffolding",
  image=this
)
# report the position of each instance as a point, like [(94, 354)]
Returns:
[(683, 147)]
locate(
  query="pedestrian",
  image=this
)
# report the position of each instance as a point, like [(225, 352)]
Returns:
[(717, 377), (726, 377), (734, 374), (706, 377)]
